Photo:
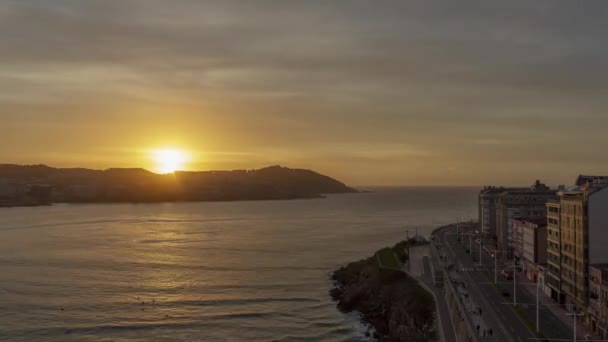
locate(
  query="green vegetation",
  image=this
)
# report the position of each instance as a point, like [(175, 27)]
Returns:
[(388, 299), (388, 259), (491, 280), (518, 309), (529, 323)]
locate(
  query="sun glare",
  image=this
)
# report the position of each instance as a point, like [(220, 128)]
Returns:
[(168, 160)]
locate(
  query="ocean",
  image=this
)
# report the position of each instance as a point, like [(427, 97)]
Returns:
[(235, 271)]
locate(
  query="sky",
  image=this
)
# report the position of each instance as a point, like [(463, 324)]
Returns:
[(370, 92)]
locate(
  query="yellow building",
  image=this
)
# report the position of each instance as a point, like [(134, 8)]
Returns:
[(577, 237), (575, 261)]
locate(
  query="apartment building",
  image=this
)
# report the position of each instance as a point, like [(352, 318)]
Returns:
[(530, 244), (598, 299), (553, 270), (488, 202), (531, 202), (584, 235)]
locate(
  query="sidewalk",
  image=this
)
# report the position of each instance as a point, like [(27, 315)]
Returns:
[(473, 309)]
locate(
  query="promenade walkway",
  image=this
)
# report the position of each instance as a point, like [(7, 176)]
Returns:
[(420, 268)]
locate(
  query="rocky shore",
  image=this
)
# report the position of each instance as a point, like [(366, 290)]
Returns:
[(392, 303)]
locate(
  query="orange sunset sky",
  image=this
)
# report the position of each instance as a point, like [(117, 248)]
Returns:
[(382, 92)]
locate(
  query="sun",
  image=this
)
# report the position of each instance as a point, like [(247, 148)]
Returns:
[(169, 160)]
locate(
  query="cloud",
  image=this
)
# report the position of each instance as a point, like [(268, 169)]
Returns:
[(386, 79)]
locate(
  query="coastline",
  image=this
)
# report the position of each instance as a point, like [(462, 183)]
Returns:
[(391, 303), (298, 198)]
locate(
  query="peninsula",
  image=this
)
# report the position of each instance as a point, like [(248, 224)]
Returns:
[(22, 185)]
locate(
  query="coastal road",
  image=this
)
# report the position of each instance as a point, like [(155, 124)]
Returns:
[(504, 321), (445, 322), (551, 326), (508, 320)]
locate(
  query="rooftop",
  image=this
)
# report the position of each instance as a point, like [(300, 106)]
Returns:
[(539, 221)]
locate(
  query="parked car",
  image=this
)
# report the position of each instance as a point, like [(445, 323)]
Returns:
[(507, 274)]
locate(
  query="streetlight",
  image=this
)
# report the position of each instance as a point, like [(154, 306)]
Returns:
[(495, 267), (574, 315), (514, 283), (515, 267), (537, 305), (471, 244), (480, 243)]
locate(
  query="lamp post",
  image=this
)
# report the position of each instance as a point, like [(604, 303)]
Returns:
[(537, 306), (480, 244), (514, 282), (574, 316), (471, 244), (495, 267)]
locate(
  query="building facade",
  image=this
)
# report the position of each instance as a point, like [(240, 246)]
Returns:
[(553, 271), (523, 203), (598, 299), (584, 235), (488, 203), (530, 244)]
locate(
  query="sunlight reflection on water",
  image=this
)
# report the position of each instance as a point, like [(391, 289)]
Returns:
[(199, 271)]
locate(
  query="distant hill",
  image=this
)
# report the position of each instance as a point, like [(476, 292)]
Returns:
[(139, 185)]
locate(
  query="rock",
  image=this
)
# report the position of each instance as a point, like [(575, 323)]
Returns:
[(389, 301)]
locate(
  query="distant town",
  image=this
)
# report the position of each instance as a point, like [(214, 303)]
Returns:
[(36, 185)]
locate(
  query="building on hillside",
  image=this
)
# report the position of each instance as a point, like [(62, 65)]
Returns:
[(39, 194), (11, 190), (598, 299), (521, 203)]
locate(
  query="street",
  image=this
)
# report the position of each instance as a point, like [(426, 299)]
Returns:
[(498, 309)]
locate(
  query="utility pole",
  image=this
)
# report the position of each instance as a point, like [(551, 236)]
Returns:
[(495, 267), (471, 244), (514, 282), (537, 306), (574, 316), (480, 243)]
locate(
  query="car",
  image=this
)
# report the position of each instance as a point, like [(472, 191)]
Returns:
[(507, 274)]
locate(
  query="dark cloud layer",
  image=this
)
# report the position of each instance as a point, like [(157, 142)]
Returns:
[(472, 90)]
